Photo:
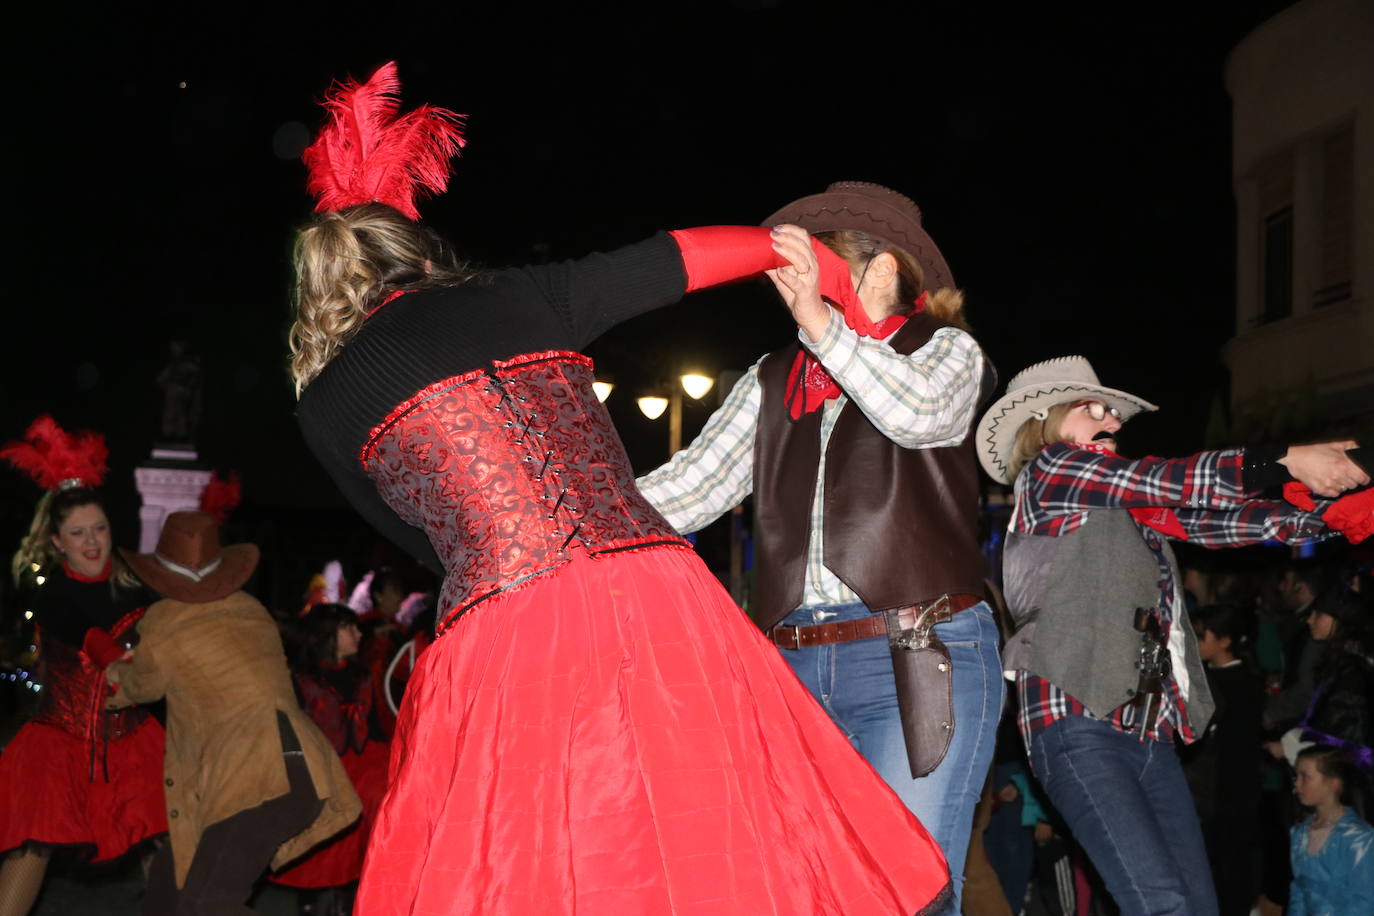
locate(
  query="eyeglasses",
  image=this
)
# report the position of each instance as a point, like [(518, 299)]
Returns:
[(1097, 410)]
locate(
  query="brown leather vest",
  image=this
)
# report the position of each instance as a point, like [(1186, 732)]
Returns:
[(900, 524)]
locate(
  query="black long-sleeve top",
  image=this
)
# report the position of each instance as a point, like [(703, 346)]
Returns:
[(430, 335), (66, 608)]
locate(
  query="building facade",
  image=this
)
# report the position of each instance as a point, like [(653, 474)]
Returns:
[(1302, 90)]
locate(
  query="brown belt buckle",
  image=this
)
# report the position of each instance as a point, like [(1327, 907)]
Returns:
[(796, 638)]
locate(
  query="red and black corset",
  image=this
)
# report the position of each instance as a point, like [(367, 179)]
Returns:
[(343, 720), (74, 695), (506, 469)]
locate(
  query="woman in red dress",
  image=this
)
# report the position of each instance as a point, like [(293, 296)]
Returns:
[(597, 727), (75, 775), (336, 692)]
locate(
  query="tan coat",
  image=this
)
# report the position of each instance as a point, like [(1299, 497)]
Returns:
[(222, 669)]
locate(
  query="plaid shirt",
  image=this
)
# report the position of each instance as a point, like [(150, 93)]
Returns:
[(1055, 494), (925, 399)]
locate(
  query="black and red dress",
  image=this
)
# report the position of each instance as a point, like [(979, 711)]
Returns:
[(339, 701), (77, 775), (598, 728)]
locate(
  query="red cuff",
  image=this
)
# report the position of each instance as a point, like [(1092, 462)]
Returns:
[(1352, 515), (713, 255), (1299, 495), (101, 648)]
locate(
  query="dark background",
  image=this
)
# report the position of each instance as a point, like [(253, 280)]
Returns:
[(1072, 163)]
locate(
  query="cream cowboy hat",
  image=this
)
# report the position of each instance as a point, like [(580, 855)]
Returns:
[(1034, 390)]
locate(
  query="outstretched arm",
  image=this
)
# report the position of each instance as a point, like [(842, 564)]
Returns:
[(1254, 522), (715, 472), (1067, 478), (924, 399), (596, 292)]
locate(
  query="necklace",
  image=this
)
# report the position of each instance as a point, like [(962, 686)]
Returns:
[(1326, 823)]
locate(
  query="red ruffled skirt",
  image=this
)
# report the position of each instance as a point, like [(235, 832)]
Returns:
[(617, 737), (47, 795), (340, 859)]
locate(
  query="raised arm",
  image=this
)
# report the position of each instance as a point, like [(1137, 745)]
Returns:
[(715, 472), (923, 399), (596, 292)]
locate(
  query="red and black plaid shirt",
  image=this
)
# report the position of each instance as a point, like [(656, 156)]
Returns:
[(1205, 492)]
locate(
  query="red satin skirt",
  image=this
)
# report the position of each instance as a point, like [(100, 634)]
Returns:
[(617, 737), (340, 859), (47, 794)]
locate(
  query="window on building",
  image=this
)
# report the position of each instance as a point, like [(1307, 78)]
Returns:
[(1337, 217), (1278, 265), (1275, 189)]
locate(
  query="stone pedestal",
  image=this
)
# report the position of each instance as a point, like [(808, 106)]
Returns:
[(171, 480)]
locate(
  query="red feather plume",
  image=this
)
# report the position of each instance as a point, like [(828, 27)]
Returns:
[(221, 497), (365, 152), (49, 454)]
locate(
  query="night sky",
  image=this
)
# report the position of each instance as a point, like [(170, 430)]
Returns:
[(1073, 166)]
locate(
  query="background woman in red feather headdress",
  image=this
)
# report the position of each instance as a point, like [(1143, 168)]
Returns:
[(75, 775), (335, 690), (597, 727)]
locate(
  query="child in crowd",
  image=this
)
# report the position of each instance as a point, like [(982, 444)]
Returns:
[(1333, 848), (1224, 769)]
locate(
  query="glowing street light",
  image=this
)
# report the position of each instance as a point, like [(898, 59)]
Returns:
[(603, 390), (652, 407), (697, 386)]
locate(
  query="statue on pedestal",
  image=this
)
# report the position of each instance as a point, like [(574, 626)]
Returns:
[(181, 397)]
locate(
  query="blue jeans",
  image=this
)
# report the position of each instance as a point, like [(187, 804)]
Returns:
[(1128, 805), (853, 682)]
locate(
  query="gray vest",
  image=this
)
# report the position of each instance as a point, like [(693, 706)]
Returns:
[(1073, 599)]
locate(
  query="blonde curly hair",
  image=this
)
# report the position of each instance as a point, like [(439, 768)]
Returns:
[(347, 262)]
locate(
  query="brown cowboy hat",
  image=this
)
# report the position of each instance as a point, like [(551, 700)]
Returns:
[(189, 564), (876, 210)]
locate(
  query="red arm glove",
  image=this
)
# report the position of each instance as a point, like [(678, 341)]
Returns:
[(1352, 515), (101, 648), (713, 255), (1299, 495)]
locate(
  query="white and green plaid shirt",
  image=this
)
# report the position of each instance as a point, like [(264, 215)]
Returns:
[(925, 399)]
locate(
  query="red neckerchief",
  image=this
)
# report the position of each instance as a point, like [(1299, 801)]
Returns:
[(816, 386), (1160, 518), (102, 576)]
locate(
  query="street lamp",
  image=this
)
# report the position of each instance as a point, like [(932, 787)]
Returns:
[(697, 387), (603, 390), (652, 407)]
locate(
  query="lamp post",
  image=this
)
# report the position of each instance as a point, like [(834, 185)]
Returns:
[(653, 406), (697, 387)]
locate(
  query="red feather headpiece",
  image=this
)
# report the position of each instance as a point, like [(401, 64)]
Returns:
[(366, 152), (221, 497), (54, 457)]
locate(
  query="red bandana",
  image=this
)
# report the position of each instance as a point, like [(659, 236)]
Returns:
[(1160, 518), (809, 385)]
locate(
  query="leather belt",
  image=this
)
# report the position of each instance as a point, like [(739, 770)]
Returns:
[(868, 627)]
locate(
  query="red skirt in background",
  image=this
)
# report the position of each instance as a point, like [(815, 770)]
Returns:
[(47, 795), (617, 737), (340, 859)]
